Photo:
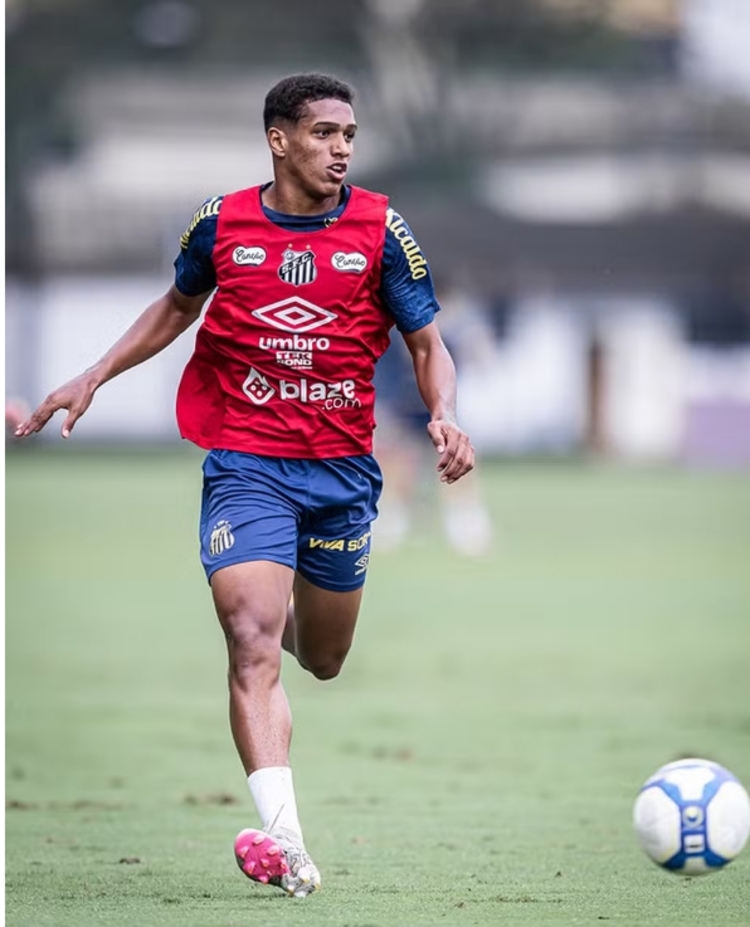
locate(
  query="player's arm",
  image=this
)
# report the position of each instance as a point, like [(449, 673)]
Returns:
[(155, 329), (407, 291), (436, 379)]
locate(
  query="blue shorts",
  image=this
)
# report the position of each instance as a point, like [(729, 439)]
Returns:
[(314, 516)]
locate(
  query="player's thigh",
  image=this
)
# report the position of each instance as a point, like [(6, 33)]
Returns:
[(251, 602), (325, 620), (333, 555)]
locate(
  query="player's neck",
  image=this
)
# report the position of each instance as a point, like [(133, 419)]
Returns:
[(290, 200)]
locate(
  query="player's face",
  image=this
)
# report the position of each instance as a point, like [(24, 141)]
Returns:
[(320, 147)]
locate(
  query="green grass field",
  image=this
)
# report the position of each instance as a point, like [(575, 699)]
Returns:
[(476, 762)]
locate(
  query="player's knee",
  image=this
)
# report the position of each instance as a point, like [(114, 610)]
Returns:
[(253, 649), (323, 666), (325, 671)]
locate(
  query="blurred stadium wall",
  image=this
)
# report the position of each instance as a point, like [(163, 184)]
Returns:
[(578, 170)]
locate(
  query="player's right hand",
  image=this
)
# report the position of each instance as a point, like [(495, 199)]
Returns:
[(75, 396)]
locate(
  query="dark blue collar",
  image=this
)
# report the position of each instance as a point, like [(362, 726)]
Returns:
[(305, 223)]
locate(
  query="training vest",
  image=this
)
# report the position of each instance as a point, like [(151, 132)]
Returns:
[(285, 356)]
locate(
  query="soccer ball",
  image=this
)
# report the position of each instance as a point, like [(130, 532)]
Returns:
[(692, 817)]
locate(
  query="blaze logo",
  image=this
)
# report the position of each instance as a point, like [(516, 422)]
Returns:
[(257, 388), (294, 315), (331, 396)]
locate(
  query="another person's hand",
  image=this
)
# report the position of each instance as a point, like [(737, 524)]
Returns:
[(75, 396), (455, 449), (16, 411)]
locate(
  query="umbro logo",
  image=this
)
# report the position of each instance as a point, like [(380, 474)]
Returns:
[(294, 315)]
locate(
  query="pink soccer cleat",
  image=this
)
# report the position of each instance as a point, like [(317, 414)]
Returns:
[(276, 860)]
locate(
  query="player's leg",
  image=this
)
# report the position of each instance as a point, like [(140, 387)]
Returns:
[(332, 560), (320, 626), (251, 603), (398, 450), (248, 546), (466, 518)]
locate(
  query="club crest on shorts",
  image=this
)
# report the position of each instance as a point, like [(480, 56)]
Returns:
[(298, 267), (221, 538)]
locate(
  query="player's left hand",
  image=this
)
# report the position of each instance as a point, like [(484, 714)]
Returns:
[(455, 449)]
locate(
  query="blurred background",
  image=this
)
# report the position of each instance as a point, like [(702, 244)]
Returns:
[(577, 171), (578, 174)]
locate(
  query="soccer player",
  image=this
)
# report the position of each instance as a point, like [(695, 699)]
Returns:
[(308, 275)]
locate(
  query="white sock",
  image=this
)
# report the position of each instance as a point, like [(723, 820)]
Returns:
[(273, 792)]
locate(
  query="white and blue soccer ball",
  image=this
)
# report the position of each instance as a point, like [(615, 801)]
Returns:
[(692, 817)]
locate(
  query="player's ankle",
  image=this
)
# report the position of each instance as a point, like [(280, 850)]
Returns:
[(272, 789)]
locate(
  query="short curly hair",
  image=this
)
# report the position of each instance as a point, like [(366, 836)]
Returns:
[(286, 101)]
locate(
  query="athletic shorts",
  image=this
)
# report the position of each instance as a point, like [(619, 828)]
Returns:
[(314, 516)]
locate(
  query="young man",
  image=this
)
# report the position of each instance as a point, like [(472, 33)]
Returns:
[(308, 275)]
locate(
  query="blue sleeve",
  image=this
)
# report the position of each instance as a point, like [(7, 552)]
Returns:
[(406, 286), (194, 268)]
